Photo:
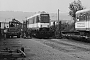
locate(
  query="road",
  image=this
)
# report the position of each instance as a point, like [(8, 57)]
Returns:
[(50, 49)]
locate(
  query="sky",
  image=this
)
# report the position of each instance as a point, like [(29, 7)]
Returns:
[(50, 6)]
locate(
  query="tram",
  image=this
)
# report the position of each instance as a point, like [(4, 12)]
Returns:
[(38, 25), (83, 22)]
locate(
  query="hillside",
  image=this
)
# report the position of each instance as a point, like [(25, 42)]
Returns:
[(8, 15)]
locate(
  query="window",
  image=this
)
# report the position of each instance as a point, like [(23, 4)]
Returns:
[(30, 21), (83, 16), (88, 16), (45, 18), (37, 19), (33, 19)]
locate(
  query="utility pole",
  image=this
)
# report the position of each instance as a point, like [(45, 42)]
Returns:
[(58, 15), (59, 26)]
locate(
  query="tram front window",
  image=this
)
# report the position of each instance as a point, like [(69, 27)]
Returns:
[(45, 18)]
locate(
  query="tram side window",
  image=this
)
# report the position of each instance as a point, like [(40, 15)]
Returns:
[(31, 21), (88, 16), (84, 17), (37, 19), (80, 18)]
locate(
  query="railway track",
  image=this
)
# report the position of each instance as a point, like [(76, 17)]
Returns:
[(76, 37), (71, 47)]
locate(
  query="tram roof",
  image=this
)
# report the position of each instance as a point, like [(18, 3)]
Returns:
[(33, 16), (36, 15), (82, 11)]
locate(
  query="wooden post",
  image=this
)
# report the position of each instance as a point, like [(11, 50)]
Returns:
[(54, 28), (60, 35)]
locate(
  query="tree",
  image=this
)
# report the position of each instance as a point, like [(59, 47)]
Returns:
[(74, 7)]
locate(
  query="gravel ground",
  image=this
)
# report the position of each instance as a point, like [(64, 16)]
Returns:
[(41, 49), (38, 51)]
